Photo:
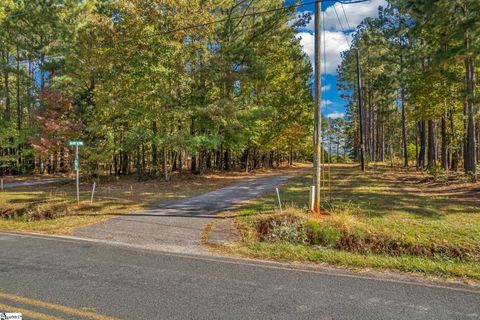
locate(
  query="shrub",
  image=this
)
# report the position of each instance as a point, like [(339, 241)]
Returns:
[(438, 173), (47, 211), (287, 228), (322, 234)]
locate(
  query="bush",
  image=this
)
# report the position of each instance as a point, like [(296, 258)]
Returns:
[(438, 173), (287, 228), (411, 150), (322, 234)]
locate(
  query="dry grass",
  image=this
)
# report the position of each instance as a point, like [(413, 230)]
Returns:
[(52, 209)]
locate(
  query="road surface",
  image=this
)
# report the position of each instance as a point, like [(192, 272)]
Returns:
[(176, 226), (33, 183), (60, 278)]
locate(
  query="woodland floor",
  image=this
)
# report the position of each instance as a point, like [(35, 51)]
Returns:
[(383, 218), (52, 209)]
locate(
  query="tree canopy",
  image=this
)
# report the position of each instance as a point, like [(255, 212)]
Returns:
[(152, 86)]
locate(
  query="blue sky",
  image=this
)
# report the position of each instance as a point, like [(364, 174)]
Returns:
[(338, 35)]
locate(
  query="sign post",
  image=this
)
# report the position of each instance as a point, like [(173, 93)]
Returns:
[(76, 144)]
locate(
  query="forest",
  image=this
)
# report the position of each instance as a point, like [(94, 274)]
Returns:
[(152, 87), (155, 87), (417, 99)]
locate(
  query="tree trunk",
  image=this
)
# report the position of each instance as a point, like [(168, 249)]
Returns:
[(423, 144), (416, 147), (193, 164), (218, 159), (290, 155), (470, 162), (247, 159), (8, 111), (208, 160), (165, 164), (431, 144), (19, 106), (444, 145), (404, 128), (226, 161), (154, 149), (180, 161)]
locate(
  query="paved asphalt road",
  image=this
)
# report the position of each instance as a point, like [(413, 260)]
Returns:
[(60, 278), (176, 226), (33, 183)]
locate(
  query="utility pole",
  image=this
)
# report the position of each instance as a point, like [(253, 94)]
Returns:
[(317, 138), (360, 120)]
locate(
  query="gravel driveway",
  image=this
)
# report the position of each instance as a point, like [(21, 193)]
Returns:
[(177, 225)]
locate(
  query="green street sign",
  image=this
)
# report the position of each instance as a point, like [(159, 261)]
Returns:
[(75, 143)]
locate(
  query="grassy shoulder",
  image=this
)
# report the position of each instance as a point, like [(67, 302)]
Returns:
[(52, 209), (379, 219)]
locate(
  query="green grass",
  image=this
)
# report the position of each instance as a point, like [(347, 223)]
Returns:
[(302, 253), (402, 207)]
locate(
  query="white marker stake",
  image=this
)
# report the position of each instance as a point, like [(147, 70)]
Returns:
[(1, 184), (312, 195), (279, 201), (93, 192)]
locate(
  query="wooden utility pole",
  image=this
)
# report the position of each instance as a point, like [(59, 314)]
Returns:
[(360, 117), (317, 138)]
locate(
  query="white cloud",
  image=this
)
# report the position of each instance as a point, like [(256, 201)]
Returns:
[(326, 102), (326, 88), (355, 13), (336, 41), (336, 115)]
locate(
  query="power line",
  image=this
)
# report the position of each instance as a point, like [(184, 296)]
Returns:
[(293, 6), (341, 26), (345, 15), (298, 5), (259, 13)]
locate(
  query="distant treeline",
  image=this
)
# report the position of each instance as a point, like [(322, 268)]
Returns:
[(419, 61)]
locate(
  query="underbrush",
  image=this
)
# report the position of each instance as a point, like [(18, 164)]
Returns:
[(36, 211), (342, 232)]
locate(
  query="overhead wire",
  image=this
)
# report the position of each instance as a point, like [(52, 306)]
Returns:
[(292, 6), (302, 4), (344, 32), (341, 26), (283, 8), (346, 17)]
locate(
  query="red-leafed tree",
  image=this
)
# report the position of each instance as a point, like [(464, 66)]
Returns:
[(56, 121)]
